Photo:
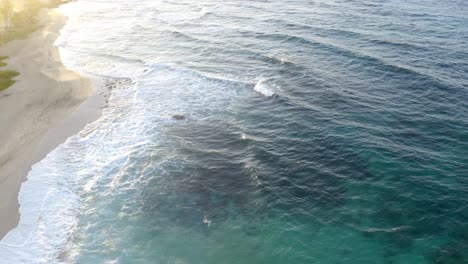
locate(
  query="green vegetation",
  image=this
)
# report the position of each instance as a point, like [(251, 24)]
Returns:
[(18, 18), (6, 76), (2, 58), (2, 63), (17, 23), (5, 83)]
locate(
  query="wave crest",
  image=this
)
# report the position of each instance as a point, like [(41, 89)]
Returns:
[(262, 87)]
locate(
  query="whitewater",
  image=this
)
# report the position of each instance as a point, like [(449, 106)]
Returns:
[(305, 132)]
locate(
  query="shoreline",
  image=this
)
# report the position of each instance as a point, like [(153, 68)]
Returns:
[(48, 104)]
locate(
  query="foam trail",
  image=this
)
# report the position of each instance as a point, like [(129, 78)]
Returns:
[(263, 88)]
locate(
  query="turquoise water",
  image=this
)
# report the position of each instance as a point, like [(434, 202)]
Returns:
[(314, 132)]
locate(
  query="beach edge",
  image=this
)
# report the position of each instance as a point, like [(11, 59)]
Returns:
[(48, 104)]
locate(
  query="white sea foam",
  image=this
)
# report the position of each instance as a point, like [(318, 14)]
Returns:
[(48, 206), (51, 198), (262, 87)]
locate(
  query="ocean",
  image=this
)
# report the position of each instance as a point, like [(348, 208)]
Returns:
[(259, 132)]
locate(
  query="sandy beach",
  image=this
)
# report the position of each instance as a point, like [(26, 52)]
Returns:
[(46, 105)]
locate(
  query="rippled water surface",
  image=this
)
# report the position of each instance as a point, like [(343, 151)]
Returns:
[(313, 132)]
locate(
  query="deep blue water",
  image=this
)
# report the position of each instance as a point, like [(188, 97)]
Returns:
[(314, 132)]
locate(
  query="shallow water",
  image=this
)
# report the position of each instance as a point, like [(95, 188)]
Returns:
[(314, 132)]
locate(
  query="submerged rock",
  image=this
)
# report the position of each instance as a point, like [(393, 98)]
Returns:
[(178, 117)]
